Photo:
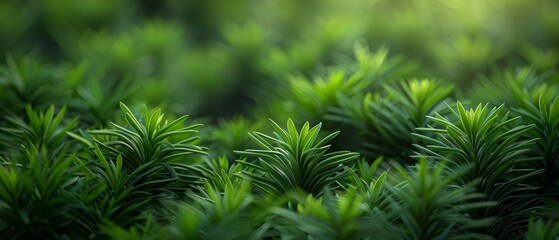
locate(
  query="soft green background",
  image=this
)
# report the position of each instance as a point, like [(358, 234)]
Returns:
[(222, 58)]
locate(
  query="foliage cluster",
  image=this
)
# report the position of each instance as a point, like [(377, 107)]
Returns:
[(330, 119)]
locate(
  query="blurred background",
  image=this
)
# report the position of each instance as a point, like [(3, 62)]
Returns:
[(232, 63)]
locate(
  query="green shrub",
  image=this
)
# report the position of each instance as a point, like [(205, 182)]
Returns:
[(406, 119)]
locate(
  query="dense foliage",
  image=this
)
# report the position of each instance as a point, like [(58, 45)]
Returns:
[(333, 119)]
